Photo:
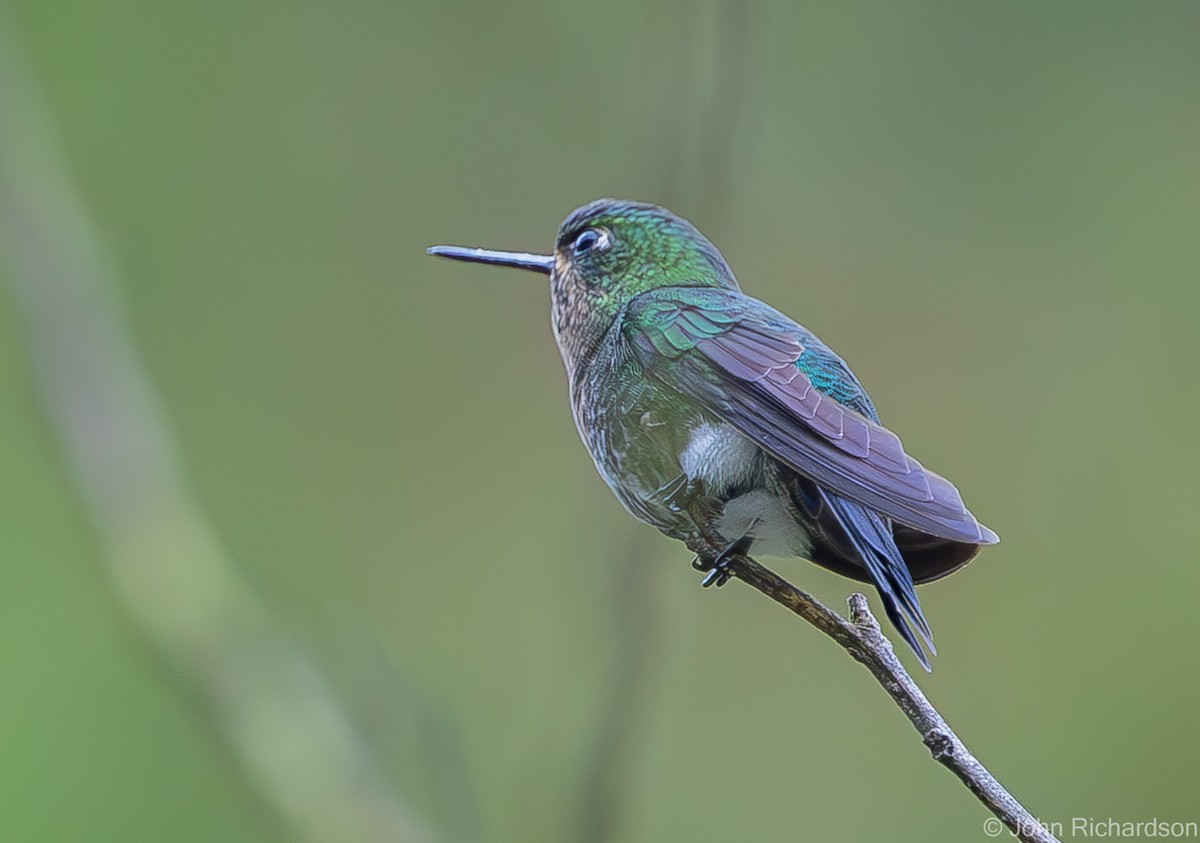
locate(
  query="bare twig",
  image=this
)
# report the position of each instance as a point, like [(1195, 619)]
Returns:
[(861, 637)]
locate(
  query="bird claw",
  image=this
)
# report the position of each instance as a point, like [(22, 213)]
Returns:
[(720, 570), (718, 575)]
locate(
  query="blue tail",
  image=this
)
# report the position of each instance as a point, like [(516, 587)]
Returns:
[(870, 535)]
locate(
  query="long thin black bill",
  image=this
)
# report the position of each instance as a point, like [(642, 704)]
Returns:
[(521, 260)]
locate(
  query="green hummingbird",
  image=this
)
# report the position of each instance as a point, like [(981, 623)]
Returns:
[(725, 424)]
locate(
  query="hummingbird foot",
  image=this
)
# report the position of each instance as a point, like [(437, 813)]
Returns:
[(718, 569), (718, 576)]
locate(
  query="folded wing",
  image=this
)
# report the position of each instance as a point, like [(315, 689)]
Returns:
[(744, 362)]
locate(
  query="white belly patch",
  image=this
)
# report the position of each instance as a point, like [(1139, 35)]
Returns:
[(718, 455), (765, 517), (724, 460)]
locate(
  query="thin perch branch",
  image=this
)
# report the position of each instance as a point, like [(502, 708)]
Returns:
[(861, 637)]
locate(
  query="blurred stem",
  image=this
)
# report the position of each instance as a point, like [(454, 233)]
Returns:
[(707, 65), (278, 716), (725, 60), (861, 637), (725, 106), (604, 788)]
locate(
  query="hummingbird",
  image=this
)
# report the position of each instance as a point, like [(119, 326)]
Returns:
[(727, 425)]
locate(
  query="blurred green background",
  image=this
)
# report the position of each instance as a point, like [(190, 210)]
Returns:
[(989, 209)]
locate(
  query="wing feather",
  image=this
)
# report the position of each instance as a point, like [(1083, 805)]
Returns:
[(740, 359)]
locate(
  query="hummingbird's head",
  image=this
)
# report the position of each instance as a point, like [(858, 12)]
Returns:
[(609, 251), (625, 248), (606, 253)]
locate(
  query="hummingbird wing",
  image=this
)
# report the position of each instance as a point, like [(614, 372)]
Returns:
[(782, 388)]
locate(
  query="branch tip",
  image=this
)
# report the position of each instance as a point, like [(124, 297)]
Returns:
[(863, 640)]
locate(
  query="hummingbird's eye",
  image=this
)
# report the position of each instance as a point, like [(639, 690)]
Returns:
[(594, 239)]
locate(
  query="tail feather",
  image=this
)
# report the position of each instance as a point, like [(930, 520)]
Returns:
[(871, 537)]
